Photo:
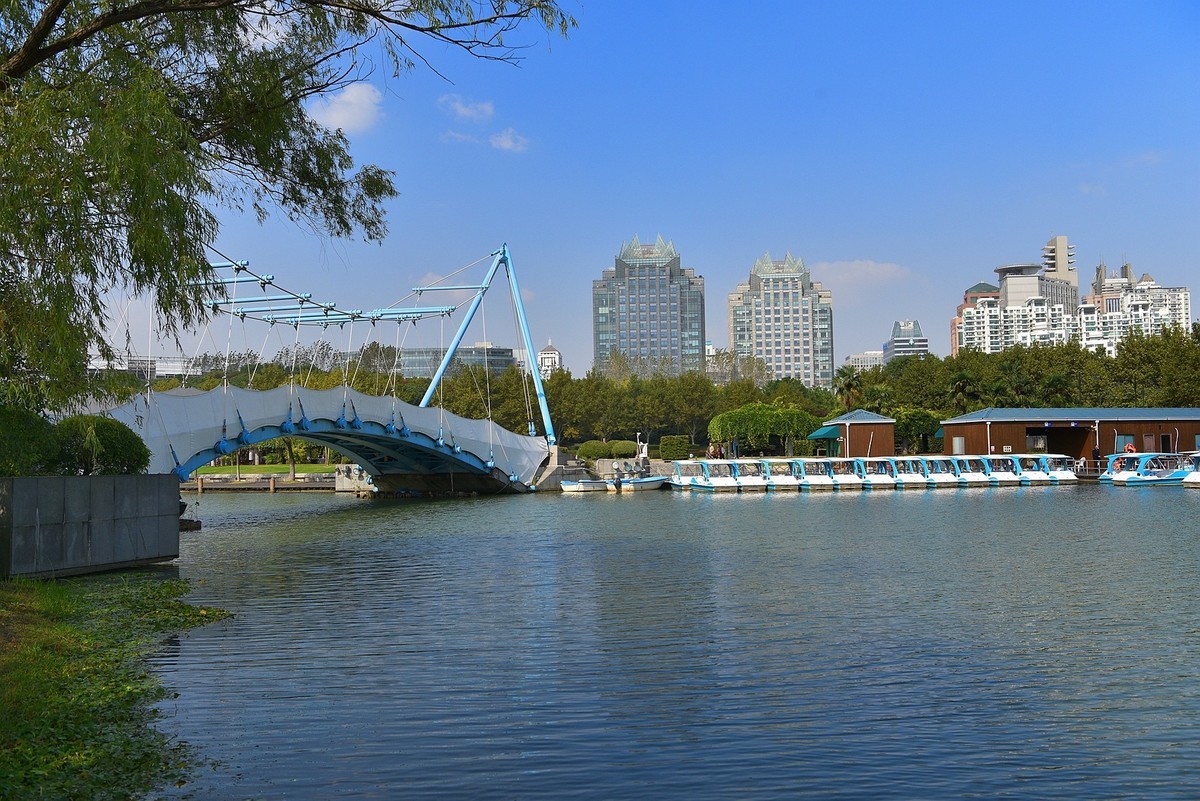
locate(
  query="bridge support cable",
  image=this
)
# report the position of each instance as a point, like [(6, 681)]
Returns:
[(462, 330)]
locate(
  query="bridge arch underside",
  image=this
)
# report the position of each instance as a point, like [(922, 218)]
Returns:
[(404, 448), (410, 462)]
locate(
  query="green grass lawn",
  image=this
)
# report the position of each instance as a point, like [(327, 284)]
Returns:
[(267, 469)]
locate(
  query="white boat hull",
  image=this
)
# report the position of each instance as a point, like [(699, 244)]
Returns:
[(640, 484), (879, 482), (587, 485)]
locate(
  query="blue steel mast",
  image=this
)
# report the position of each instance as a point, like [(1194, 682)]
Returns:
[(501, 256)]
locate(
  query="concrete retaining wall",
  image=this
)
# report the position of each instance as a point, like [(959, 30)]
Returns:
[(64, 525)]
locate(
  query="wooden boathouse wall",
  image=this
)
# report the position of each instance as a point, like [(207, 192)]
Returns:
[(868, 439), (1077, 437)]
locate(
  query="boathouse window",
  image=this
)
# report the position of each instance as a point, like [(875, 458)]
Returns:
[(1122, 441), (958, 445)]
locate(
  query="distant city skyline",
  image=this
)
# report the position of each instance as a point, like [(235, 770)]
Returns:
[(904, 152)]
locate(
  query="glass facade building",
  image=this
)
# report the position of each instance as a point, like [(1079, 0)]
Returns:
[(647, 306)]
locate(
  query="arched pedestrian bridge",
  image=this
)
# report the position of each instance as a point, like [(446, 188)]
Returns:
[(423, 450)]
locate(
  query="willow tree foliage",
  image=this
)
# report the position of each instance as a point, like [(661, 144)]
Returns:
[(762, 425), (125, 125)]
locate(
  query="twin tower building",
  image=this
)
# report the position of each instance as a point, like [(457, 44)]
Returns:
[(650, 308)]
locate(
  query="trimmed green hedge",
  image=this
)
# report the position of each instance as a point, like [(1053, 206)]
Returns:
[(28, 443), (674, 446), (623, 448), (594, 449), (90, 444)]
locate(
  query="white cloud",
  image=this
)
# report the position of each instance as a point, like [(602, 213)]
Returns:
[(354, 109), (510, 140), (853, 282), (462, 109), (457, 136), (1149, 158), (1093, 189)]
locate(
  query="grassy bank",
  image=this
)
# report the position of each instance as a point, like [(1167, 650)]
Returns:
[(75, 693), (266, 469)]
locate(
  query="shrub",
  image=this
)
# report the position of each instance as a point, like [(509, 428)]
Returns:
[(674, 446), (28, 443), (623, 448), (594, 449), (90, 444)]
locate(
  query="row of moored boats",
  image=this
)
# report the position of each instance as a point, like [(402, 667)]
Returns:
[(870, 473), (897, 472)]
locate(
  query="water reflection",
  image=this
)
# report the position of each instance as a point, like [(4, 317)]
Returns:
[(1026, 642)]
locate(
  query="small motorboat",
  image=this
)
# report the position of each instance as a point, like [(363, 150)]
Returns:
[(585, 485), (634, 478)]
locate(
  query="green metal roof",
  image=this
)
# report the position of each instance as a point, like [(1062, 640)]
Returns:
[(826, 432)]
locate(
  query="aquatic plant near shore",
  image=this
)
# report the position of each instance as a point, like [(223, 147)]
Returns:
[(75, 689)]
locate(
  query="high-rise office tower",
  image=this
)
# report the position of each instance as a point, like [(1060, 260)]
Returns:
[(649, 307)]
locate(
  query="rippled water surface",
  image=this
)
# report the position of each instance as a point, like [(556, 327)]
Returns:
[(1003, 643)]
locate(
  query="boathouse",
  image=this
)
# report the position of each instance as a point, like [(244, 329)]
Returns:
[(857, 433), (1072, 432)]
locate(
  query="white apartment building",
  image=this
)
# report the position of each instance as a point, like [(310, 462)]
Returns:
[(549, 359), (1100, 322), (865, 360), (782, 316)]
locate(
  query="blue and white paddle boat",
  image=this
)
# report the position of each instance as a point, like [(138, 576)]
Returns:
[(1060, 468), (972, 470), (845, 477), (1033, 469), (1003, 471), (704, 475), (876, 472), (911, 473), (780, 474), (1192, 479), (813, 474), (1150, 469), (750, 474), (943, 472)]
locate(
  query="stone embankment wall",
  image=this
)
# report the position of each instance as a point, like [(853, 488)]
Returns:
[(65, 525)]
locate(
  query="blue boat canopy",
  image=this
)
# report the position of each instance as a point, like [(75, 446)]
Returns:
[(826, 432)]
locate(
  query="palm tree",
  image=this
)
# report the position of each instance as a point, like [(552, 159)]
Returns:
[(847, 386), (963, 392)]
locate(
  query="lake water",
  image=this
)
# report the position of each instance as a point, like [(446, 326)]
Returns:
[(991, 643)]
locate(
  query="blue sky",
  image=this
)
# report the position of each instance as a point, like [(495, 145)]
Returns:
[(903, 150)]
